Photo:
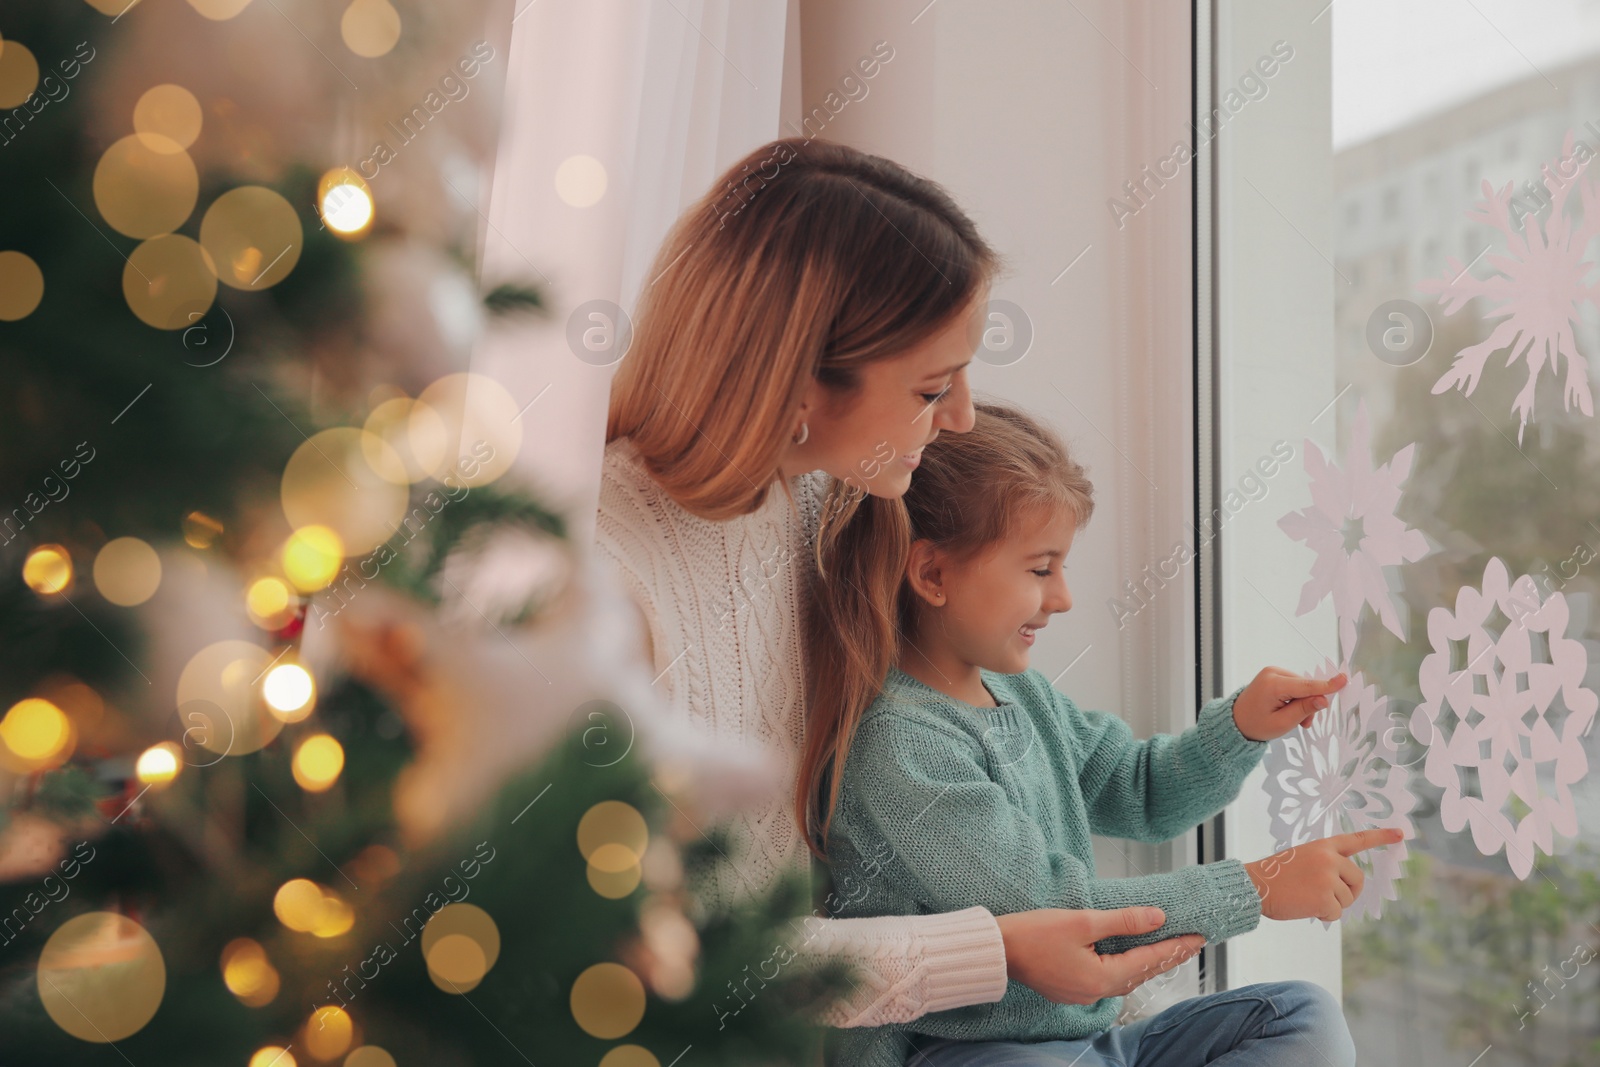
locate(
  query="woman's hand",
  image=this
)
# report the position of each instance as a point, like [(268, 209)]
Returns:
[(1278, 700), (1316, 880), (1051, 951)]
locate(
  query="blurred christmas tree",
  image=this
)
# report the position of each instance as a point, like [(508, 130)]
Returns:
[(276, 792)]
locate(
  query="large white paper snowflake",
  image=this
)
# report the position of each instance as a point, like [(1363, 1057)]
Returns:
[(1342, 774), (1504, 713), (1352, 527), (1543, 280)]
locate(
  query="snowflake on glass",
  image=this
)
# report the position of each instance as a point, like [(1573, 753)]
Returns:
[(1503, 715), (1352, 527), (1342, 774), (1543, 280)]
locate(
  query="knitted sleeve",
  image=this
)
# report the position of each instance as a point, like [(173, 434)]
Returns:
[(908, 966), (958, 840), (1154, 790)]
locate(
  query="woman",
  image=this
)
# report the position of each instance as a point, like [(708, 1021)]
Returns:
[(814, 312)]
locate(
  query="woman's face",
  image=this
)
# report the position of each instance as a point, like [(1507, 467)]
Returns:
[(873, 438)]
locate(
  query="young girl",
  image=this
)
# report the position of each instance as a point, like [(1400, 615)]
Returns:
[(969, 780)]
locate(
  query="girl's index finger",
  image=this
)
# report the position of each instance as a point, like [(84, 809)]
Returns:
[(1298, 688)]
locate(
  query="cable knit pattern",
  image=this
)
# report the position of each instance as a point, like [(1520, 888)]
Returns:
[(953, 805), (723, 602)]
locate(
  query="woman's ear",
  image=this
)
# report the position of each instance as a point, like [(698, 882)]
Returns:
[(925, 572)]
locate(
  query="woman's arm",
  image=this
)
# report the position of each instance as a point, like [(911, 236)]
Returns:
[(1154, 790), (957, 839)]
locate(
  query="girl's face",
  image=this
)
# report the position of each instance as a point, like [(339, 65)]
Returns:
[(873, 438), (993, 603)]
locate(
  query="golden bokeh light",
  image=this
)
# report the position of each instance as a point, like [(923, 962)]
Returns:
[(629, 1056), (36, 731), (345, 201), (581, 181), (288, 690), (329, 482), (369, 1056), (268, 1055), (414, 434), (482, 427), (335, 917), (253, 237), (607, 1000), (297, 904), (218, 11), (127, 571), (47, 570), (143, 192), (328, 1032), (269, 601), (219, 701), (101, 976), (312, 557), (317, 763), (248, 974), (159, 764), (169, 282), (614, 870), (370, 28), (612, 822), (19, 74), (21, 285), (460, 944), (200, 530), (166, 116)]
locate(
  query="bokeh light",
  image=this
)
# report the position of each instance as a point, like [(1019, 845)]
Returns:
[(607, 1000), (36, 731), (288, 690), (312, 556), (329, 482), (328, 1032), (269, 600), (481, 427), (101, 976), (345, 201), (47, 570), (127, 571), (581, 181), (253, 237), (248, 974), (169, 282), (317, 762), (370, 28), (167, 116), (218, 697), (21, 285), (460, 944), (143, 192), (158, 764), (19, 74)]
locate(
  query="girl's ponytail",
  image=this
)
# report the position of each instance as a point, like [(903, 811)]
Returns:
[(852, 629)]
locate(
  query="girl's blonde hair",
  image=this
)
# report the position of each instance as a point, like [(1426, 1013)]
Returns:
[(807, 259), (971, 490)]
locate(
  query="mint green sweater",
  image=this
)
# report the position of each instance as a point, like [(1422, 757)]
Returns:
[(944, 805)]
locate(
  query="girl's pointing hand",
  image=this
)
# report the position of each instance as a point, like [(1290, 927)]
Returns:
[(1278, 700)]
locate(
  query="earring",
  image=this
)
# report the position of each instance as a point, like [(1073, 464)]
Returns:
[(805, 432)]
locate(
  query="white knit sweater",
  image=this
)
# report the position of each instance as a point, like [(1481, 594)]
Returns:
[(722, 600)]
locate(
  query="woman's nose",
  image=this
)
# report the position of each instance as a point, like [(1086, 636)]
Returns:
[(958, 415)]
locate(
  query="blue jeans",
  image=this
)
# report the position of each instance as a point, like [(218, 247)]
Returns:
[(1296, 1024)]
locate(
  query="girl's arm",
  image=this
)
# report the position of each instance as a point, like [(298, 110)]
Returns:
[(1154, 790), (955, 839)]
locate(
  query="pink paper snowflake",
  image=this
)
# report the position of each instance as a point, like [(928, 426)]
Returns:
[(1342, 774), (1542, 282), (1504, 713), (1352, 527)]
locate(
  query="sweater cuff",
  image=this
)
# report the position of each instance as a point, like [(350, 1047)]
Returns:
[(965, 956), (1236, 907), (1223, 743)]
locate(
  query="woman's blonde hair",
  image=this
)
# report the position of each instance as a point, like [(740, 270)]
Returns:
[(807, 259), (971, 490)]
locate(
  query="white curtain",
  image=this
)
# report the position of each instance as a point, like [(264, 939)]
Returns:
[(665, 94)]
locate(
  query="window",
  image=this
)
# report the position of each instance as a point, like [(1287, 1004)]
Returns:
[(1470, 624)]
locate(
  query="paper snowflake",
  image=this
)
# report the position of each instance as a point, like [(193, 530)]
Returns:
[(1504, 713), (1352, 527), (1543, 280), (1342, 774)]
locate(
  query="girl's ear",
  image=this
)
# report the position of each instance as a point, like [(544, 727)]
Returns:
[(924, 571)]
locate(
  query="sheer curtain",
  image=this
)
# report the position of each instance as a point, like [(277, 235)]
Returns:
[(664, 95)]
